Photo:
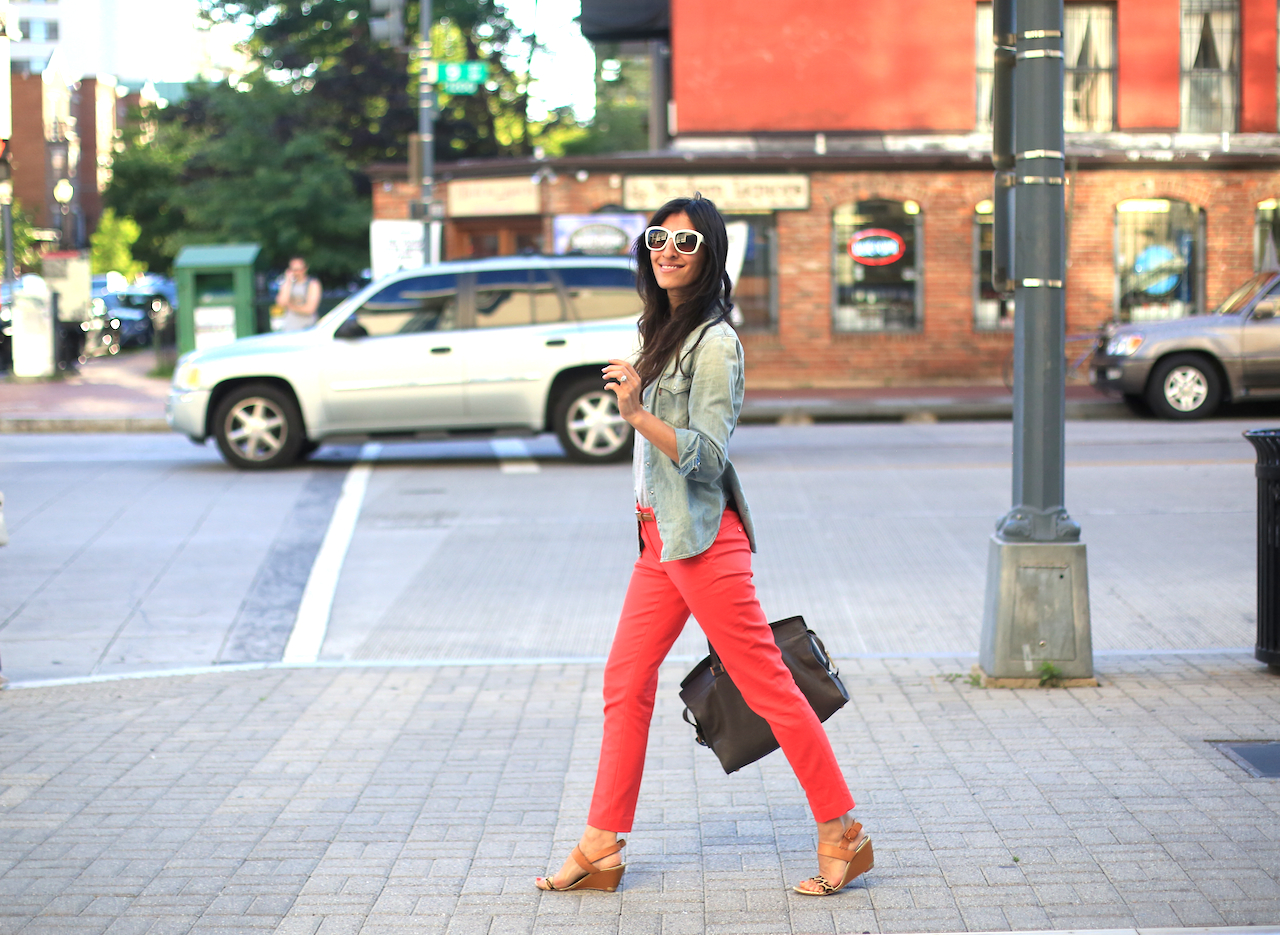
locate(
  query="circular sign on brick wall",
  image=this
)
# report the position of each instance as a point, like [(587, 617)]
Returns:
[(876, 246)]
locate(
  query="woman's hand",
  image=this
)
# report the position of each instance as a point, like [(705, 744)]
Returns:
[(622, 378), (625, 383)]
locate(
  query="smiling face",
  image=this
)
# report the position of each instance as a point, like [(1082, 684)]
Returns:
[(677, 272)]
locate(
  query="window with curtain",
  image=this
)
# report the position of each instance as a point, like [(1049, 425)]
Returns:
[(984, 54), (1089, 55), (1088, 48), (1159, 259), (1210, 65), (877, 266)]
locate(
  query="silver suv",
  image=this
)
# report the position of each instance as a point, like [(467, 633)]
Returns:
[(1184, 368), (509, 344)]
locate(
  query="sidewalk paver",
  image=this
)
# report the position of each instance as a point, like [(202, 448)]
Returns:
[(425, 800)]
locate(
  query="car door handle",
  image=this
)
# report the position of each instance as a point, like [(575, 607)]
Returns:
[(556, 342), (441, 350)]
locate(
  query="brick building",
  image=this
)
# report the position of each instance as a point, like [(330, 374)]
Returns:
[(848, 143)]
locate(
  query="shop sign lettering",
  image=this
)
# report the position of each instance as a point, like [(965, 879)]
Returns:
[(731, 193), (876, 246)]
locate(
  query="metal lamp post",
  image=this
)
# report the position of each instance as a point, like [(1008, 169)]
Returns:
[(6, 213), (63, 192), (1036, 619)]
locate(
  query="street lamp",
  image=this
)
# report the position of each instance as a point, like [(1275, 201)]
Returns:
[(63, 192), (6, 211)]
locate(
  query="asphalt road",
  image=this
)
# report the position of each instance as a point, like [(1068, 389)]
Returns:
[(144, 552)]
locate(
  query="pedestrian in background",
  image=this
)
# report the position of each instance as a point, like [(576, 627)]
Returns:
[(682, 397), (299, 296)]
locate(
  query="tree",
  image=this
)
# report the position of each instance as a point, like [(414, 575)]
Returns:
[(242, 164), (111, 246), (368, 91), (25, 254)]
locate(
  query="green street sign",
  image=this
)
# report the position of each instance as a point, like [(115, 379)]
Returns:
[(470, 72), (459, 87)]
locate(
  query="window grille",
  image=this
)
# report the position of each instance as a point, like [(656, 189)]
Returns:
[(1210, 65), (1159, 259), (1090, 80), (1089, 53), (984, 52)]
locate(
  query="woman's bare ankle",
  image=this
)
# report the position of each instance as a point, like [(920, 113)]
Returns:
[(594, 839)]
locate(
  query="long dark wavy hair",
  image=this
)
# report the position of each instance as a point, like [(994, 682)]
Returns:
[(663, 329)]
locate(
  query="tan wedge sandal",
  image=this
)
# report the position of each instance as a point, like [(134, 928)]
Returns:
[(595, 879), (858, 858)]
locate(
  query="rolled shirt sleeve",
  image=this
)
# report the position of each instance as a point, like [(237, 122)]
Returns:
[(715, 398)]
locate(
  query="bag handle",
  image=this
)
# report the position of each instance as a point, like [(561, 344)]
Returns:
[(697, 728)]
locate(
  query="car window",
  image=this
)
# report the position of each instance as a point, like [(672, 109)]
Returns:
[(409, 306), (600, 292), (1237, 301), (516, 297)]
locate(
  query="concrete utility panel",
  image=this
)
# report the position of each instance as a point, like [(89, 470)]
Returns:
[(1031, 589)]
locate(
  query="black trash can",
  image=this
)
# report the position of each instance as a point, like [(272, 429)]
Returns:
[(1267, 444)]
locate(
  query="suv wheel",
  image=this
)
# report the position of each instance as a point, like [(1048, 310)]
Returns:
[(1184, 386), (588, 423), (258, 427)]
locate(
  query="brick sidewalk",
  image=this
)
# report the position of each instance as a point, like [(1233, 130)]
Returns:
[(425, 800)]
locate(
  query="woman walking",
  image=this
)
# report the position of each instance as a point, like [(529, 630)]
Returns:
[(682, 397)]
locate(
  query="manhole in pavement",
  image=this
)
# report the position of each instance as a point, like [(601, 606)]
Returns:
[(1260, 758)]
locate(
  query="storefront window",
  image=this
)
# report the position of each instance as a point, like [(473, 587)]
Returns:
[(990, 311), (755, 290), (877, 266), (1159, 259), (1266, 234)]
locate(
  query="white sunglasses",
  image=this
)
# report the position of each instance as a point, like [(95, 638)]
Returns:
[(685, 241)]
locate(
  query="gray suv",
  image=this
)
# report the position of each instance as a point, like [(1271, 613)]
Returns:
[(1186, 367)]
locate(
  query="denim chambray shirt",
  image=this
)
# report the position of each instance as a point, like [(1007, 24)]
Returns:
[(701, 399)]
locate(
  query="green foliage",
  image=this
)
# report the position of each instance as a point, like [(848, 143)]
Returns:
[(147, 179), (1050, 675), (615, 128), (246, 164), (25, 255), (111, 246), (366, 92)]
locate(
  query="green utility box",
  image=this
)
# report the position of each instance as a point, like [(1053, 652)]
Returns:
[(215, 294)]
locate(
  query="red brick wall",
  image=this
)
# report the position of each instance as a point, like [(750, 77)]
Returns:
[(1148, 37), (1258, 66), (30, 163), (805, 352), (809, 65)]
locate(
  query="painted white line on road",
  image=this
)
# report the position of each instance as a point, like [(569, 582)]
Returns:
[(312, 621), (513, 456)]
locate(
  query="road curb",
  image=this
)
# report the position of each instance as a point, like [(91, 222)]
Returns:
[(17, 425), (911, 409)]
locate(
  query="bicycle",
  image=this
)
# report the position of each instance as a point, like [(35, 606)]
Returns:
[(1078, 349)]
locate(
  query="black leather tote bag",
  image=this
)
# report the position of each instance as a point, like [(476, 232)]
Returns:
[(723, 721)]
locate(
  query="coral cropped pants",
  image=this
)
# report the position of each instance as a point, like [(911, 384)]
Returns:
[(716, 587)]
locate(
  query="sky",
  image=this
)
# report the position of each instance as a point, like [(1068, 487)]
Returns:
[(565, 72)]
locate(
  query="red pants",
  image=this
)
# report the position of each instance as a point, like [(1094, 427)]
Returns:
[(716, 587)]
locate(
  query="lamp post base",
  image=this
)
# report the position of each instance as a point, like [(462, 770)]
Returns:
[(1035, 625)]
